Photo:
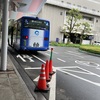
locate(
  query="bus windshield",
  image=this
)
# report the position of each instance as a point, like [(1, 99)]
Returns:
[(36, 24)]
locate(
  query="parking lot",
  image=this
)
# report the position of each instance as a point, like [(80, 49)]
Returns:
[(77, 74)]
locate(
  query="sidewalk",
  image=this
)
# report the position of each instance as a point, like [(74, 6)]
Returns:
[(12, 87)]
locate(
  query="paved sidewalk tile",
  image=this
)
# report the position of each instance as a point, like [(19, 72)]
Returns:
[(12, 87)]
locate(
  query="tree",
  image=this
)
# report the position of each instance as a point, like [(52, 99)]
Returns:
[(72, 23), (85, 29), (63, 30)]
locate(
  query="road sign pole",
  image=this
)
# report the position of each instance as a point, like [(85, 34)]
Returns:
[(4, 36)]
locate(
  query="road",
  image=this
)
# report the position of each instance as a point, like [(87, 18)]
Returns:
[(77, 74)]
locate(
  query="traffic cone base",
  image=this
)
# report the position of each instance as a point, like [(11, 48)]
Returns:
[(42, 90), (51, 73), (48, 80)]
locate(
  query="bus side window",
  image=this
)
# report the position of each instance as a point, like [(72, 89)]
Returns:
[(18, 29)]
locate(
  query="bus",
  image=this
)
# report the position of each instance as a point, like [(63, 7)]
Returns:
[(29, 33)]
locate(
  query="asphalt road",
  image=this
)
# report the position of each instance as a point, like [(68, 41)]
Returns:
[(77, 74)]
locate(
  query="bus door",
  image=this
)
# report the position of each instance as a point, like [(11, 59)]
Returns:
[(10, 36), (16, 35)]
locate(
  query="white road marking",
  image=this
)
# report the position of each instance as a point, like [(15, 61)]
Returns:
[(19, 56), (39, 59), (98, 68), (74, 52), (74, 55), (66, 67), (78, 71), (81, 63), (97, 84), (61, 60), (25, 56), (55, 52), (36, 79), (84, 70), (87, 63), (77, 67), (52, 95), (33, 68), (28, 57), (90, 72), (47, 54)]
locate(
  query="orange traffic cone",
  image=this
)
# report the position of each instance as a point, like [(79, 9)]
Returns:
[(47, 71), (50, 67), (42, 86)]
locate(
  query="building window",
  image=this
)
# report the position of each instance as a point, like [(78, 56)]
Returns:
[(85, 7), (93, 9), (90, 19), (62, 1), (69, 3), (73, 4), (96, 21), (79, 6), (61, 13)]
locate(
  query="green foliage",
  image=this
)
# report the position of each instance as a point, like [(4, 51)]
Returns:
[(89, 48), (72, 25), (72, 20), (86, 29), (64, 45)]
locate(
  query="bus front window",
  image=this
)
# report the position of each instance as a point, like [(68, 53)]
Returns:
[(36, 24)]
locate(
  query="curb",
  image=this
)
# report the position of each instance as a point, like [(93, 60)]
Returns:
[(21, 80)]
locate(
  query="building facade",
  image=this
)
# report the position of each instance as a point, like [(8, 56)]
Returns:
[(55, 12)]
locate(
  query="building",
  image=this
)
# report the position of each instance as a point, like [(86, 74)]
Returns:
[(55, 12)]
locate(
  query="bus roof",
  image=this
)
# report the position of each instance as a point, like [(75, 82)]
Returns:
[(32, 18)]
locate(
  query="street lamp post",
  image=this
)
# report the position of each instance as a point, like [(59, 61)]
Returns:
[(4, 36)]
